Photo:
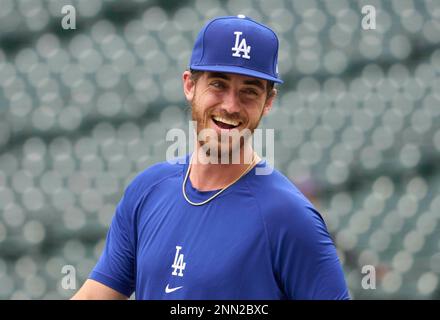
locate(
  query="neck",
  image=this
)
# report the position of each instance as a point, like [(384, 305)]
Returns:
[(207, 176)]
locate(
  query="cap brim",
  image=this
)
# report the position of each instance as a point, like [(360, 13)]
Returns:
[(237, 70)]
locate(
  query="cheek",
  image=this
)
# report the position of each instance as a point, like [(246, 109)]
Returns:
[(255, 111), (205, 103), (201, 109)]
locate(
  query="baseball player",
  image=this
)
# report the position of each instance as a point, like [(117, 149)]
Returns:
[(211, 230)]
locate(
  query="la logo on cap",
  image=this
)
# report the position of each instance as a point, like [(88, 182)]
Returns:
[(236, 44), (242, 47)]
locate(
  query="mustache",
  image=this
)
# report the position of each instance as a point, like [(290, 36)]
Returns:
[(231, 116)]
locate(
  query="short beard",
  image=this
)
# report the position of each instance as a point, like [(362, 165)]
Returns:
[(222, 152)]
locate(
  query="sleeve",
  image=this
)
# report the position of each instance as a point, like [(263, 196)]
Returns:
[(305, 259), (116, 266)]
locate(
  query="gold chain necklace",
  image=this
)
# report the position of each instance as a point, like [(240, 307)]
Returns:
[(219, 192)]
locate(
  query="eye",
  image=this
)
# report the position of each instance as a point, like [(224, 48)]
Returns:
[(251, 92), (217, 84)]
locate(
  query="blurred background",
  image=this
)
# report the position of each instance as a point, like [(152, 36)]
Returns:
[(357, 128)]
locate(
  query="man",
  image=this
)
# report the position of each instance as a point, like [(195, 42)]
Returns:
[(206, 229)]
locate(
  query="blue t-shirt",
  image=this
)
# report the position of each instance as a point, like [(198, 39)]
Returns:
[(259, 239)]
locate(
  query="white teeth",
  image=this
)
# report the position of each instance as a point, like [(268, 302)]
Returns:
[(227, 121)]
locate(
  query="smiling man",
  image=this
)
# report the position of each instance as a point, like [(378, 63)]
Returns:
[(211, 230), (226, 131)]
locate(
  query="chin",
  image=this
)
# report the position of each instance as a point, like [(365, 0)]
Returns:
[(224, 151)]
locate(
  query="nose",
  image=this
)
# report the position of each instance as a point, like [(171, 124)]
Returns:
[(231, 102)]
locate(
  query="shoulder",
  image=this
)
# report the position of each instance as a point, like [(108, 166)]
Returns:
[(284, 207), (156, 173), (277, 192), (303, 253), (151, 177)]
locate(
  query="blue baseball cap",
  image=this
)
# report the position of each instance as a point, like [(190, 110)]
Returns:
[(237, 44)]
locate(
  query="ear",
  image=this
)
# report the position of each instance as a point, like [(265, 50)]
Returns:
[(188, 86), (269, 102)]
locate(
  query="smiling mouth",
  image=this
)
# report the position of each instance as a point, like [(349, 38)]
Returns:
[(224, 123)]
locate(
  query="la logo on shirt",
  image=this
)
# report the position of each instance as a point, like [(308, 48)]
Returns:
[(178, 263), (178, 267)]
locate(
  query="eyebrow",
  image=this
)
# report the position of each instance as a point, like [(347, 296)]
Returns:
[(221, 75)]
